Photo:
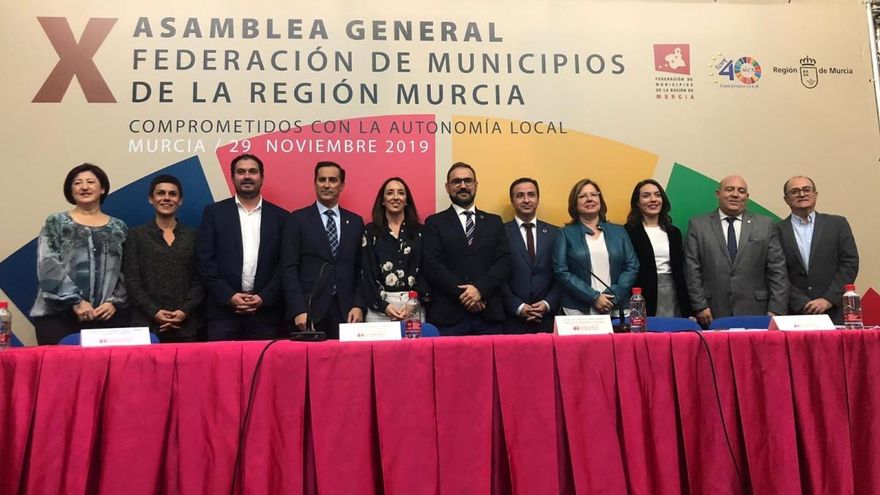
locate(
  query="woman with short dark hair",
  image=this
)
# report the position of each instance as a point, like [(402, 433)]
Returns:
[(79, 261)]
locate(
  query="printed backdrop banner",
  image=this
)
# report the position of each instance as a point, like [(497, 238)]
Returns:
[(686, 93)]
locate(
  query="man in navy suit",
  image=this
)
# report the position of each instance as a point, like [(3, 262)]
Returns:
[(466, 260), (531, 297), (238, 258), (321, 258)]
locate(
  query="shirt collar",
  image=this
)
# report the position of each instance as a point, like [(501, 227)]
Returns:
[(258, 208), (723, 215), (800, 221), (520, 222), (459, 210), (322, 209)]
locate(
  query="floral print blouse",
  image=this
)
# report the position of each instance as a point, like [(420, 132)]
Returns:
[(390, 264), (76, 262)]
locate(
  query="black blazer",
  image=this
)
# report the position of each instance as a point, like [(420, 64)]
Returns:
[(834, 262), (305, 250), (449, 262), (219, 258), (647, 278), (530, 282)]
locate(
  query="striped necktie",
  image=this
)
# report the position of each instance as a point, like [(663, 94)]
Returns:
[(469, 227), (332, 234), (731, 238)]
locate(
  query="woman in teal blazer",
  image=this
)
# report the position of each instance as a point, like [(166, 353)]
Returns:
[(580, 256)]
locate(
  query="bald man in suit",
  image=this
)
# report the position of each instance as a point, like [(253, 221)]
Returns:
[(734, 263), (820, 252)]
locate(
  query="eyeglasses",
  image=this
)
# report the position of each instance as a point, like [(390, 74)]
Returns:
[(806, 190), (593, 195), (467, 181)]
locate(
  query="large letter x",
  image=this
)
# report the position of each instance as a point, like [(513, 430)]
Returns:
[(75, 59)]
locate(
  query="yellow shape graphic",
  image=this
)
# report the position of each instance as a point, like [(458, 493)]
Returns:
[(556, 160)]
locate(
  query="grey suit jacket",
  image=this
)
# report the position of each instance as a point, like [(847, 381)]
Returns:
[(753, 284), (834, 262)]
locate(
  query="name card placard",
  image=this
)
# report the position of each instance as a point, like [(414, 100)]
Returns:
[(367, 332), (582, 325), (798, 323), (105, 337)]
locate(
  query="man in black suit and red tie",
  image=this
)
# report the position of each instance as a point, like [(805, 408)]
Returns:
[(238, 256), (531, 297), (466, 260), (321, 258)]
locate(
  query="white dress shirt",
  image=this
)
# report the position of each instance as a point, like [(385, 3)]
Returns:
[(660, 244), (250, 242), (459, 211), (737, 226)]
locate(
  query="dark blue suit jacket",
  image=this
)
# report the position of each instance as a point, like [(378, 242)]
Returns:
[(219, 258), (449, 262), (306, 250), (530, 282)]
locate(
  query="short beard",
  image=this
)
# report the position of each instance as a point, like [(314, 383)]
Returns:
[(464, 203), (248, 195)]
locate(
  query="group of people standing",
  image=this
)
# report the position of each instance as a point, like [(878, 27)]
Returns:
[(255, 271)]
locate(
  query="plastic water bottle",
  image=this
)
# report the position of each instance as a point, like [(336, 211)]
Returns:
[(413, 320), (852, 308), (638, 312), (5, 326)]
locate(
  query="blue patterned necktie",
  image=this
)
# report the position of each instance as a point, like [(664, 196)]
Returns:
[(731, 238), (469, 227), (332, 234)]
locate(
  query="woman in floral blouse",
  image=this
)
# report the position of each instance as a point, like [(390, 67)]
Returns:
[(79, 258), (392, 254)]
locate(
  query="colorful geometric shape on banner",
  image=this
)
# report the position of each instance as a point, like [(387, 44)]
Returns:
[(557, 158), (692, 193), (370, 149), (18, 272)]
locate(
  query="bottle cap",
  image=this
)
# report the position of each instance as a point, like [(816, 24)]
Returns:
[(637, 290), (849, 287), (413, 294), (4, 304)]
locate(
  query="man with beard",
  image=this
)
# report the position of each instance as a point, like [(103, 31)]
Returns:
[(466, 260), (734, 263), (321, 258), (238, 257)]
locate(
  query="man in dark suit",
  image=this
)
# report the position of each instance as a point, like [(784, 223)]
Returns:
[(466, 260), (733, 260), (321, 258), (238, 255), (820, 252), (531, 297)]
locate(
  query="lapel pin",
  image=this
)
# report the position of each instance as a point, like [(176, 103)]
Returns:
[(544, 230), (346, 222)]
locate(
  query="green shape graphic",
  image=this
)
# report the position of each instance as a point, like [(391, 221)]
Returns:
[(692, 193)]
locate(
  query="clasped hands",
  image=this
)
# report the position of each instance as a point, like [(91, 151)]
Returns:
[(85, 312), (471, 298)]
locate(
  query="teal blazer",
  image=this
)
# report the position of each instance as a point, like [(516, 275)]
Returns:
[(571, 263)]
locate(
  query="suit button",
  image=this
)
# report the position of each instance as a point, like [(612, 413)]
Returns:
[(810, 288)]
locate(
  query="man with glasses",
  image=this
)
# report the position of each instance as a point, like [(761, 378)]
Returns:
[(734, 264), (820, 252), (466, 260)]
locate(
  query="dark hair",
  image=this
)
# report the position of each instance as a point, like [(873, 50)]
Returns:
[(523, 180), (410, 212), (165, 179), (246, 156), (323, 164), (635, 214), (460, 165), (785, 186), (572, 201), (85, 167)]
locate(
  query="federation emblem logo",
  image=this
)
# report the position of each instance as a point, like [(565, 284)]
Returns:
[(675, 58), (809, 73)]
